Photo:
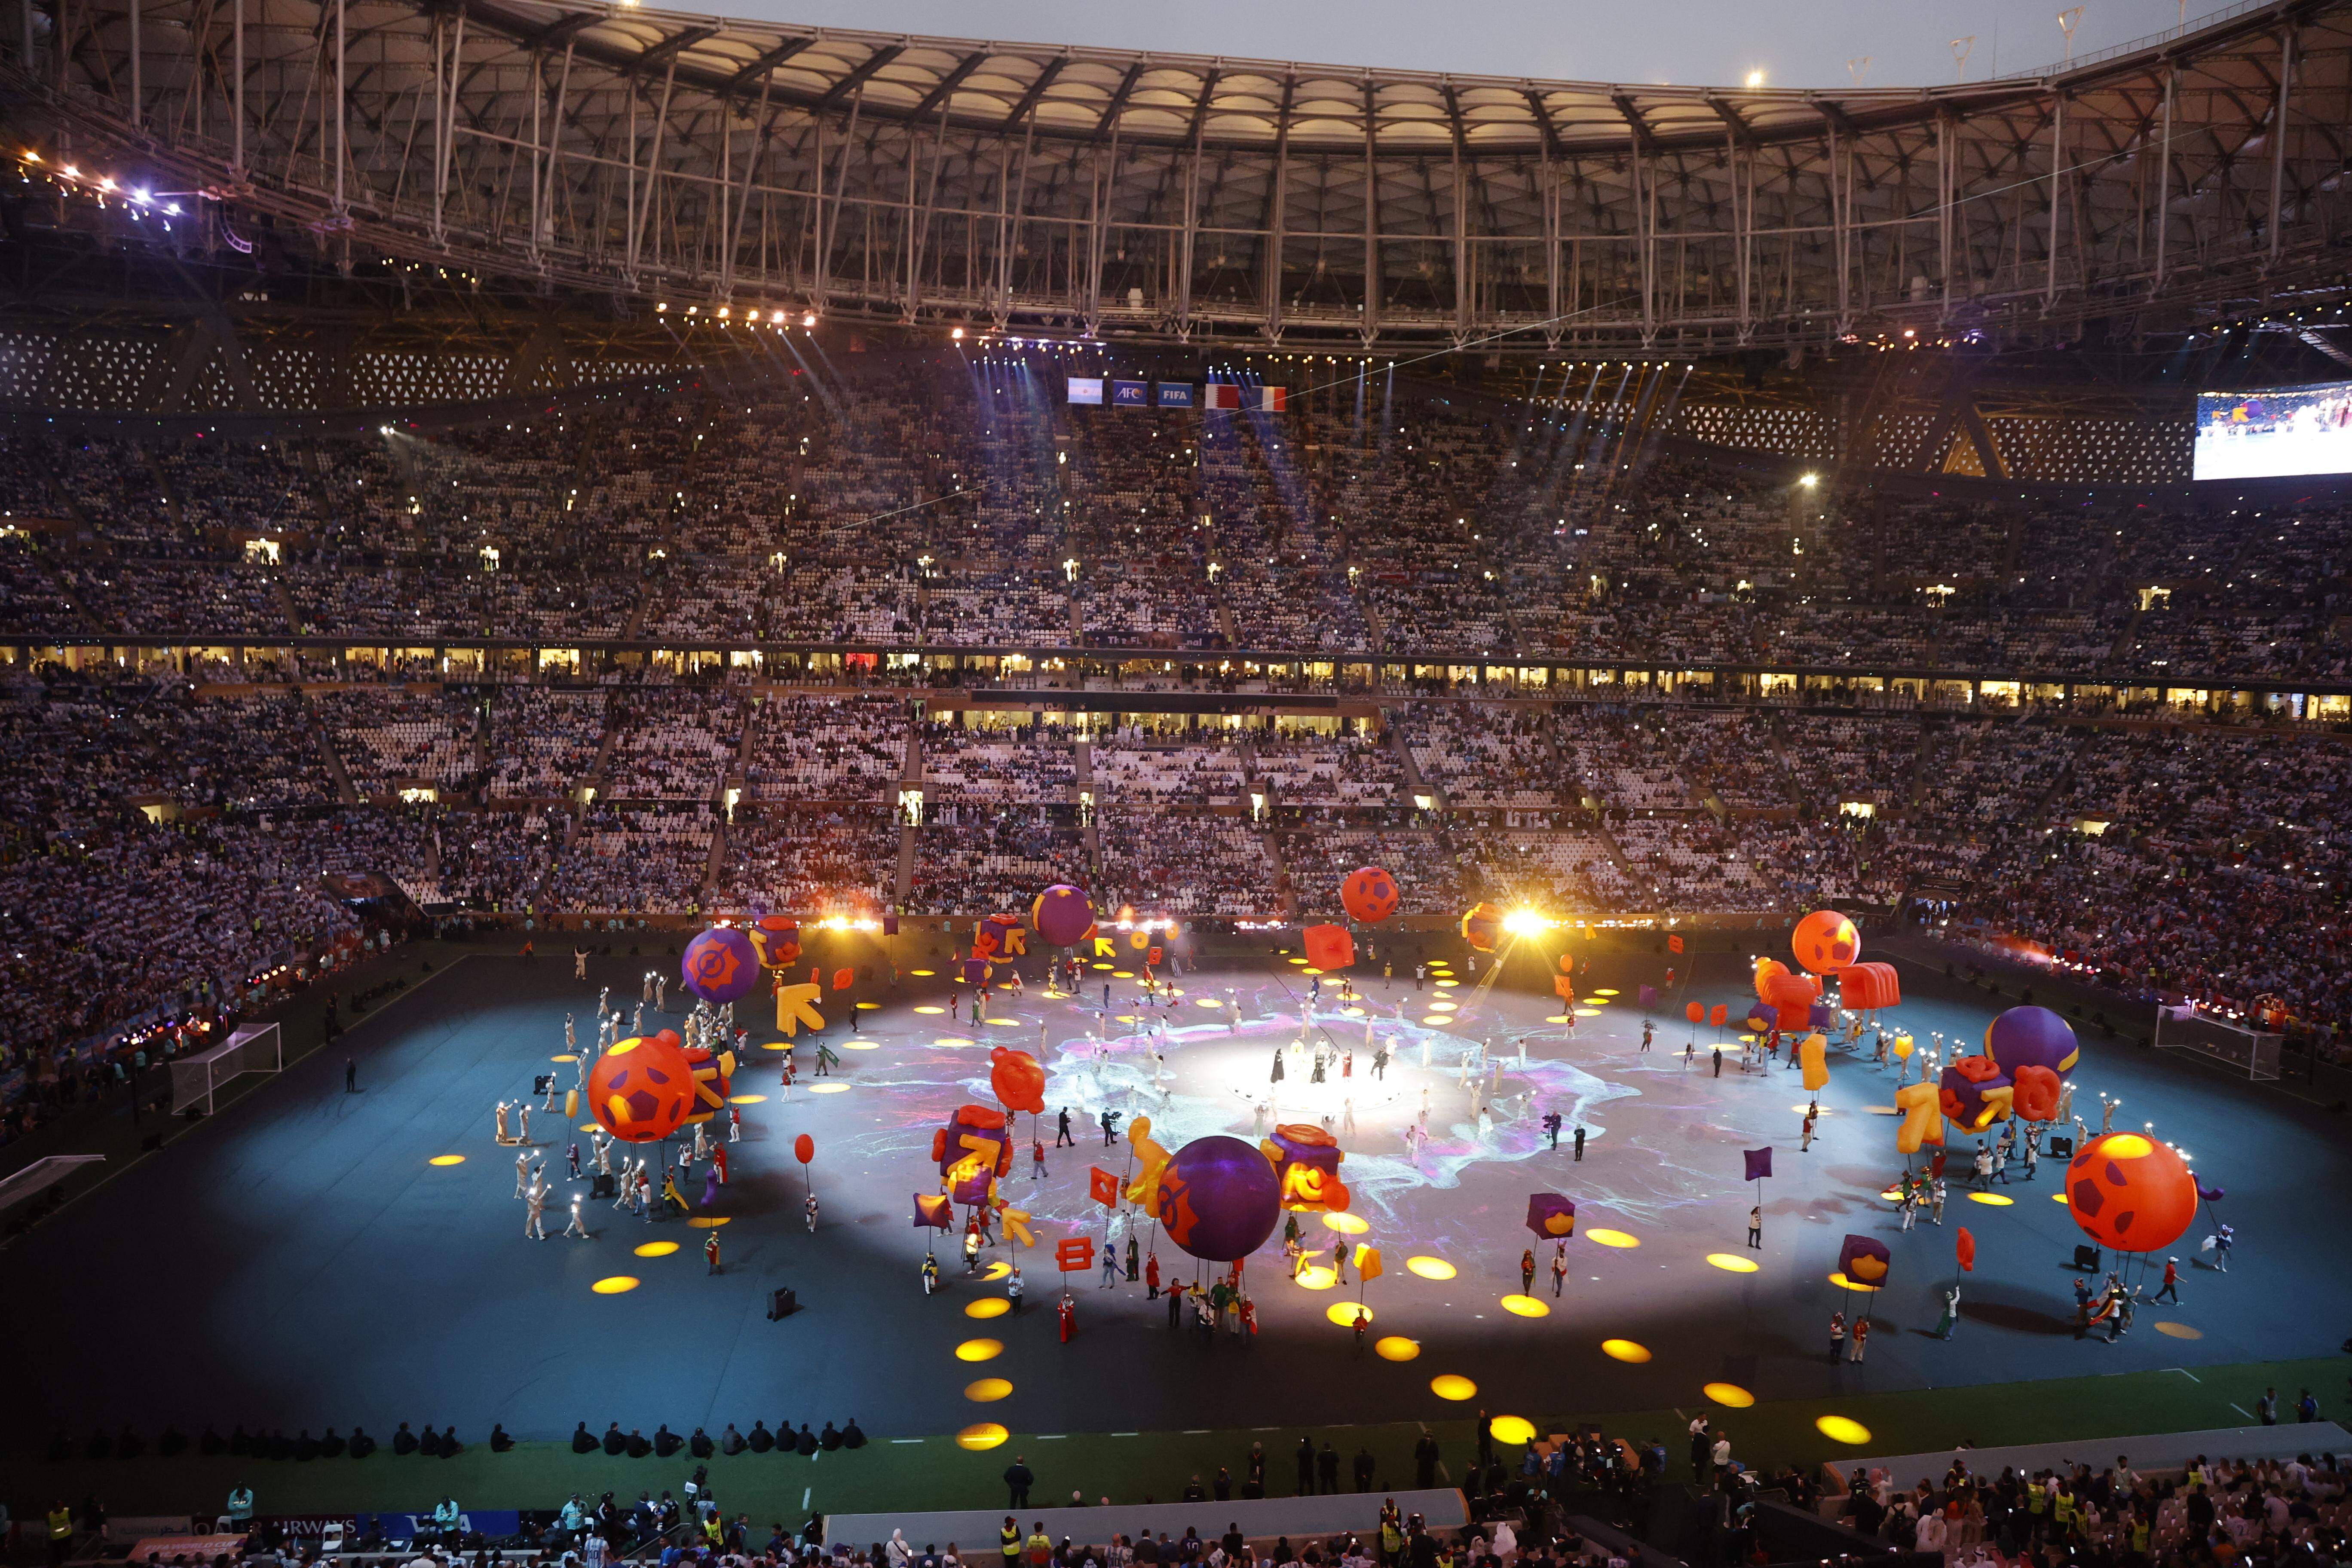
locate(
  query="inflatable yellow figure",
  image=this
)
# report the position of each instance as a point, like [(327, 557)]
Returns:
[(1812, 1054), (1150, 1159), (1922, 1121)]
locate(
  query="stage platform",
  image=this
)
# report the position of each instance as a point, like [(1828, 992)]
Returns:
[(304, 1260)]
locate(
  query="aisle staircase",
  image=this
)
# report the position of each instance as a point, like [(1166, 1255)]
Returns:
[(911, 777)]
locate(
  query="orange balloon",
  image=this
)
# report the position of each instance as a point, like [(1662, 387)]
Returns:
[(1825, 942), (2131, 1192), (641, 1090), (1765, 968)]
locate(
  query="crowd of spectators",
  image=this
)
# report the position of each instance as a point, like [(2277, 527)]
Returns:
[(2258, 1511), (1188, 863)]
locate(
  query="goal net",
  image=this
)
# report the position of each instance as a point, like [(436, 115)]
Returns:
[(2253, 1052), (196, 1078)]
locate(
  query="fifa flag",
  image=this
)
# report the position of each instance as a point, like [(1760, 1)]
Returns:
[(1266, 399), (1086, 389), (1129, 394), (1175, 394)]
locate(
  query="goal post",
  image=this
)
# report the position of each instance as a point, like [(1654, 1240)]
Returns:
[(196, 1080), (2188, 1028)]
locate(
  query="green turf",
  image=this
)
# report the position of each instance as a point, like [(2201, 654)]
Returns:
[(1127, 1467)]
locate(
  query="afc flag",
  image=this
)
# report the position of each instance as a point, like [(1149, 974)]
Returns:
[(1129, 394)]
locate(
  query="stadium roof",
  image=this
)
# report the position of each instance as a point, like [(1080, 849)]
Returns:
[(1015, 186)]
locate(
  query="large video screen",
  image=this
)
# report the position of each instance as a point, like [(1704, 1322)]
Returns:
[(2283, 430)]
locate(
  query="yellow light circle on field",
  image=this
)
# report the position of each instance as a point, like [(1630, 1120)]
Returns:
[(828, 1088), (1346, 1224), (777, 1045), (747, 1100), (1995, 1200), (654, 1248), (1101, 966), (2173, 1330), (954, 1042), (987, 1390), (1843, 1430), (446, 1159), (1122, 975), (1430, 1267), (1437, 1020), (1446, 1007), (996, 1270), (1352, 1011), (931, 1009), (979, 1350), (1729, 1394), (982, 1434), (1310, 968), (1598, 999), (1206, 1002), (868, 1006), (1396, 1347), (1315, 1277), (1526, 1307), (1300, 962), (1512, 1429), (1454, 1386), (1587, 1011), (1001, 1022), (1843, 1283), (1554, 1018), (987, 1306), (2059, 1196), (1604, 990), (1732, 1263), (1446, 984), (706, 1222), (926, 974), (613, 1285), (1616, 1238), (1626, 1351), (1345, 1313), (564, 1057), (589, 1126)]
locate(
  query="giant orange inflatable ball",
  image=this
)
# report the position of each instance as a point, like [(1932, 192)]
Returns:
[(2131, 1192), (1369, 894), (641, 1090), (1482, 927), (1767, 970), (1825, 942)]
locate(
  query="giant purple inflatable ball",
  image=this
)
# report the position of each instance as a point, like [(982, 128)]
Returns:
[(1219, 1198), (2032, 1037), (1061, 915), (721, 965)]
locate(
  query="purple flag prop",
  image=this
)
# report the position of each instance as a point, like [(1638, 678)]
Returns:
[(1551, 1215), (975, 971), (1649, 996), (1863, 1261), (1820, 1016), (1759, 1162)]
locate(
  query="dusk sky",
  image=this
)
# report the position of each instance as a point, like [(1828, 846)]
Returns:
[(1795, 43)]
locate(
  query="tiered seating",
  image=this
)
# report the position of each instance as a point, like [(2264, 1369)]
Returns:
[(828, 748), (389, 739)]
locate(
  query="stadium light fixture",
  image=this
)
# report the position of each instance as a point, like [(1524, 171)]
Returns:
[(1755, 78), (809, 320), (1810, 480)]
